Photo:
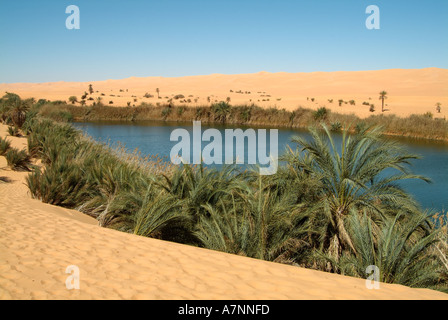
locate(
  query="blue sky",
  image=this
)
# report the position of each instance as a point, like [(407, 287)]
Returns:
[(120, 39)]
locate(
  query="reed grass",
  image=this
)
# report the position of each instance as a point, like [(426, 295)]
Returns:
[(415, 126), (5, 145)]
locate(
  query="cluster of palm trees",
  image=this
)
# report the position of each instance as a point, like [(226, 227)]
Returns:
[(335, 207), (13, 109)]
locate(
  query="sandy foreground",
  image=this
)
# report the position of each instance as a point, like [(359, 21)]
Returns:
[(410, 91), (39, 241)]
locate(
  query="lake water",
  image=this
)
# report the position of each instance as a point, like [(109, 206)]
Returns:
[(153, 137)]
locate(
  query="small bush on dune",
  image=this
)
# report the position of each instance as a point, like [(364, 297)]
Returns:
[(13, 131), (18, 160), (5, 145)]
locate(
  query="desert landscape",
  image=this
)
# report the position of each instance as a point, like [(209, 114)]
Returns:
[(409, 91), (39, 241), (225, 151)]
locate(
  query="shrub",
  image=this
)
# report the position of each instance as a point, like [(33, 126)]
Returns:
[(246, 114), (372, 108), (5, 145), (62, 183), (59, 115), (335, 127), (18, 160), (166, 112), (320, 114), (73, 99), (199, 113), (60, 102), (13, 131)]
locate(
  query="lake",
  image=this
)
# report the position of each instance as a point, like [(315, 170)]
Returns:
[(153, 137)]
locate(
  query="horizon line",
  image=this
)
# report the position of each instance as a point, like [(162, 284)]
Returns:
[(218, 74)]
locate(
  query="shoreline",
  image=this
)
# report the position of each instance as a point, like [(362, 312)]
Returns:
[(414, 126)]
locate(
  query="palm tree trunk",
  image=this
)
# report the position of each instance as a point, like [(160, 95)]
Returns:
[(343, 234)]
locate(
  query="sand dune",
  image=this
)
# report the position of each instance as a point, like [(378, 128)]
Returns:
[(39, 241), (410, 91)]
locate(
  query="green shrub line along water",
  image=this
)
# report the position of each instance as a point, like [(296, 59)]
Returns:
[(341, 207), (303, 215), (153, 137)]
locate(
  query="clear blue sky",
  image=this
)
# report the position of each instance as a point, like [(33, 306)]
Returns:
[(120, 39)]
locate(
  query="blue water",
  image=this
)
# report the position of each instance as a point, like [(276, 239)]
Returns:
[(151, 138)]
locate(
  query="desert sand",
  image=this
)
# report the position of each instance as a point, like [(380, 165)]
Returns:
[(410, 91), (39, 241)]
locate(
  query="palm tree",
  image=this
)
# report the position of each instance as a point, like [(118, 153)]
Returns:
[(157, 213), (221, 110), (16, 107), (158, 93), (256, 224), (352, 176), (383, 96), (402, 248), (200, 186), (438, 107), (90, 89)]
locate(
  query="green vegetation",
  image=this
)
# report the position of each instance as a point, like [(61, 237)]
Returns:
[(18, 160), (13, 109), (221, 110), (383, 96), (336, 127), (5, 145), (325, 209), (73, 99), (321, 114), (335, 208), (13, 131), (416, 126)]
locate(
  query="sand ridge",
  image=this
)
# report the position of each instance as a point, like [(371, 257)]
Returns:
[(39, 241), (410, 91)]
